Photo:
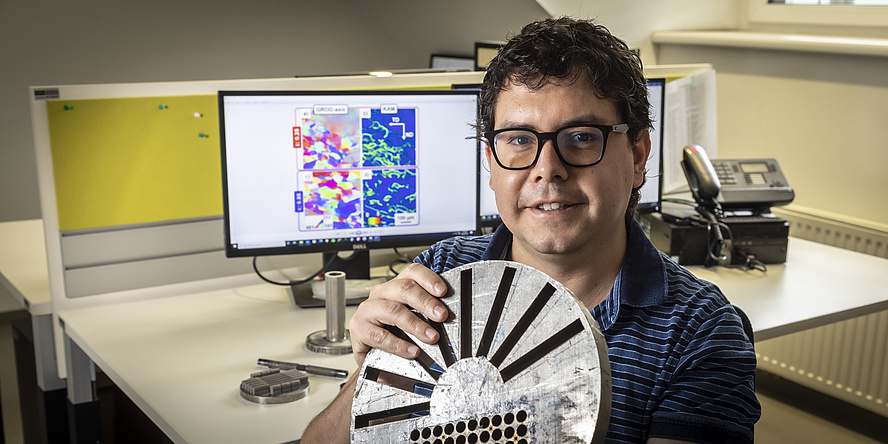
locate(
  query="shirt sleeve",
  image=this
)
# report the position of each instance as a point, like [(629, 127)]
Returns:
[(710, 395)]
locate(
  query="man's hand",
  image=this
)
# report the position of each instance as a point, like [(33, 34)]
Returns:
[(389, 304)]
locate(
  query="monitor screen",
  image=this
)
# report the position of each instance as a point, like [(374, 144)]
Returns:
[(321, 171), (651, 193)]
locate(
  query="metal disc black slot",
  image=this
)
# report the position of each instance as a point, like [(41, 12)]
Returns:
[(523, 324), (496, 311), (392, 415), (398, 381), (424, 360), (465, 314), (541, 350), (444, 343)]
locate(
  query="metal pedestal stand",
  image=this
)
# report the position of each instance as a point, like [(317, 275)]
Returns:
[(335, 339)]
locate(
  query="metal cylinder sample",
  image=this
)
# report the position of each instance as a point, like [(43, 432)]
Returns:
[(333, 340), (335, 297)]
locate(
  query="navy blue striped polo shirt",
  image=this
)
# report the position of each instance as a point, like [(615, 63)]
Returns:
[(682, 367)]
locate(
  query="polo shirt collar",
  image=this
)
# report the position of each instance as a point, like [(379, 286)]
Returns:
[(641, 282), (643, 276), (499, 245)]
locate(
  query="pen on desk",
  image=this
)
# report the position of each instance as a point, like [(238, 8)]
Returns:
[(313, 369)]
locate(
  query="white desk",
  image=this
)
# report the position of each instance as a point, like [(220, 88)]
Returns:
[(24, 279), (181, 358), (24, 275), (23, 270), (818, 285)]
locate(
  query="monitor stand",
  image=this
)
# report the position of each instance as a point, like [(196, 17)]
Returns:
[(356, 266)]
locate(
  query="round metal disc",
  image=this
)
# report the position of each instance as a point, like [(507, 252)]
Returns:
[(317, 342), (275, 386), (276, 399), (520, 360)]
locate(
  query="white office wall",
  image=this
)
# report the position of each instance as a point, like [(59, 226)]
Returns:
[(822, 116), (635, 20), (59, 42)]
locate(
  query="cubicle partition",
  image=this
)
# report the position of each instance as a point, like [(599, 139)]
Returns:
[(130, 184)]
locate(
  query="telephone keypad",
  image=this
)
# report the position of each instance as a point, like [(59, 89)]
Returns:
[(756, 179), (725, 174)]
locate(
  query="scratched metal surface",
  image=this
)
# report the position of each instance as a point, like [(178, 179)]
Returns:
[(527, 364)]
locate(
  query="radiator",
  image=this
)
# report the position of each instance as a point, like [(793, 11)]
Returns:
[(847, 360)]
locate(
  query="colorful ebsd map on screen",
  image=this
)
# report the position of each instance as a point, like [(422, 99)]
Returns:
[(357, 167)]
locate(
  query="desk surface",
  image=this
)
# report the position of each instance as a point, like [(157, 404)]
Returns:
[(23, 268), (819, 284), (181, 360)]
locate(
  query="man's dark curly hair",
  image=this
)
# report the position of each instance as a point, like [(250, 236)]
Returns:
[(567, 50)]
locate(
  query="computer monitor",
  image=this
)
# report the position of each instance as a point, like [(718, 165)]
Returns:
[(651, 192), (451, 62), (327, 171), (487, 211)]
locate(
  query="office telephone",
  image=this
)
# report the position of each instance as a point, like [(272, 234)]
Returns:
[(751, 184), (732, 223)]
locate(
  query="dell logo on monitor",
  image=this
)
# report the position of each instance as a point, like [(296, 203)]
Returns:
[(359, 246)]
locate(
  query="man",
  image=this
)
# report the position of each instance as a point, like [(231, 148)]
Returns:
[(565, 118)]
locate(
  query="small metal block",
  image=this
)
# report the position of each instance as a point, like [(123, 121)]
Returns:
[(275, 386)]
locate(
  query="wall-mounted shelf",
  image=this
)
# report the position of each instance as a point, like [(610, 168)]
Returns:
[(866, 46)]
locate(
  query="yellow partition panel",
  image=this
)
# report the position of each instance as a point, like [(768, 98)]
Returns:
[(135, 160)]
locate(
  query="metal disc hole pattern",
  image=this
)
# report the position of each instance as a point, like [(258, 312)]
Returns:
[(517, 344)]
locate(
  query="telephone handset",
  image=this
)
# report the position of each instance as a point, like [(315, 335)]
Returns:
[(702, 178), (705, 187)]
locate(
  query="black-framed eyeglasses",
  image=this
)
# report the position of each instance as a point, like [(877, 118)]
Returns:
[(576, 145)]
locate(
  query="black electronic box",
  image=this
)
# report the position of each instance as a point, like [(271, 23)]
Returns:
[(688, 241)]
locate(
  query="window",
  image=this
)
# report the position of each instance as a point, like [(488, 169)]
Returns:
[(872, 13), (830, 2)]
